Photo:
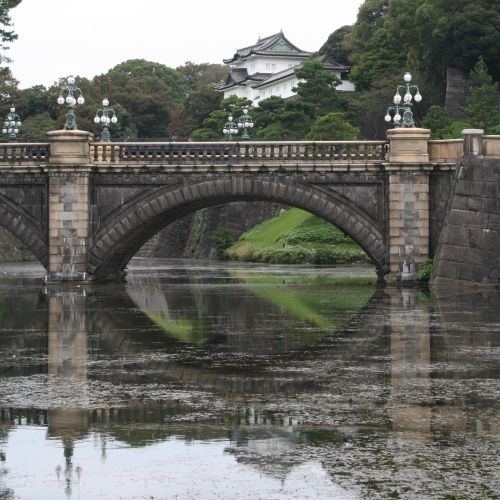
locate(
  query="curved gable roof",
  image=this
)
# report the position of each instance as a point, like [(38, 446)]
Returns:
[(275, 45)]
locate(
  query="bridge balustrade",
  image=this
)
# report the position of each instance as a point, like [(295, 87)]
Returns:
[(25, 153), (233, 153)]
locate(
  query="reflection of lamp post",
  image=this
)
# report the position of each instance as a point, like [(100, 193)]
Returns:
[(12, 124), (245, 122), (230, 128), (71, 101), (105, 120), (407, 114)]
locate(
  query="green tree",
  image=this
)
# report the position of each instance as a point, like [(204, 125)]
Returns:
[(10, 95), (483, 108), (6, 36), (198, 106), (199, 75), (438, 121), (146, 98), (35, 101), (214, 124), (338, 46), (332, 127), (37, 126), (175, 81)]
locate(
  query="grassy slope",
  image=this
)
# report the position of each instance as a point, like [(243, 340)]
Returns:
[(293, 237)]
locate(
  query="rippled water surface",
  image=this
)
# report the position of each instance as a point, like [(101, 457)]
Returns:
[(209, 380)]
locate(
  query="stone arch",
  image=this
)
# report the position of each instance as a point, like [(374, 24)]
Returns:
[(122, 234), (16, 220)]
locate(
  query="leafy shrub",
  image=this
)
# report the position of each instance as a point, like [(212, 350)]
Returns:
[(222, 238), (425, 271), (315, 230), (323, 256)]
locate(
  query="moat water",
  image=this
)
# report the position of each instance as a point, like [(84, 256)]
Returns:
[(222, 380)]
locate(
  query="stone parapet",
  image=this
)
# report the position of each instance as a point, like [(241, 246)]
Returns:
[(408, 145), (69, 147)]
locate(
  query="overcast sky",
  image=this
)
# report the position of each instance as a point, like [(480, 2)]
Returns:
[(60, 37)]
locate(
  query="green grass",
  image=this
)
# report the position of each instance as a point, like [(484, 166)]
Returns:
[(295, 237)]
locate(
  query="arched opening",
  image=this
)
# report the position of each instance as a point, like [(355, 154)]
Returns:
[(25, 229), (123, 233)]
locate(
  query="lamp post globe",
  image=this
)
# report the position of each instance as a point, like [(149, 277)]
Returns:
[(230, 128), (12, 124), (70, 100), (245, 122), (105, 119), (406, 120)]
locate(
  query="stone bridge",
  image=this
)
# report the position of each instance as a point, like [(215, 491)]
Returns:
[(85, 208)]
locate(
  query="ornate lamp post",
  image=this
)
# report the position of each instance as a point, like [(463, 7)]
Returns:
[(230, 128), (71, 101), (407, 113), (105, 119), (12, 124), (245, 122)]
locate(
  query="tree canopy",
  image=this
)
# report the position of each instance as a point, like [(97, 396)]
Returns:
[(6, 36)]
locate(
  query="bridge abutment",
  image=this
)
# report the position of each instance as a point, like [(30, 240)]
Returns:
[(409, 170), (69, 173)]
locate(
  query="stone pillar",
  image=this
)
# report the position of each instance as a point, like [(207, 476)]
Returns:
[(473, 142), (69, 170), (409, 169)]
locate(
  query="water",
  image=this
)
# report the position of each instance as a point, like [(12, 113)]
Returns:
[(203, 380)]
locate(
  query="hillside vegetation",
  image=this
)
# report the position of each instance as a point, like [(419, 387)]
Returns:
[(295, 237)]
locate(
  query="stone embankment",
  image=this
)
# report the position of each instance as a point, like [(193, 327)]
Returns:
[(468, 252), (192, 236), (12, 250)]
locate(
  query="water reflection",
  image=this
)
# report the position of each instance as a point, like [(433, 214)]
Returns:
[(364, 391)]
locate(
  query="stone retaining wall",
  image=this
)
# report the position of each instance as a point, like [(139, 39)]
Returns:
[(469, 247)]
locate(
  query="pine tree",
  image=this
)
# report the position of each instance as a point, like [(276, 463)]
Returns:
[(483, 107)]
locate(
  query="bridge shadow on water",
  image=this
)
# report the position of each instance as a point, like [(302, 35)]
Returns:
[(279, 364)]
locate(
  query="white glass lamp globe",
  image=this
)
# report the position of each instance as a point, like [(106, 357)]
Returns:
[(12, 110), (81, 100), (397, 98), (60, 100), (387, 117), (105, 102), (245, 111), (224, 130), (108, 120), (4, 131), (235, 131), (397, 117), (103, 119), (97, 119), (230, 118), (240, 124), (16, 130), (114, 119), (250, 124), (10, 130), (6, 124), (418, 97), (12, 123), (69, 100), (71, 80), (408, 97), (18, 123), (407, 77)]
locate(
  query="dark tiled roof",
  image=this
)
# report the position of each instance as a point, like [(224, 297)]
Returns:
[(331, 64), (240, 75), (262, 48)]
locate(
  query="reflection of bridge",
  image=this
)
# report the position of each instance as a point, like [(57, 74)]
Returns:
[(84, 209)]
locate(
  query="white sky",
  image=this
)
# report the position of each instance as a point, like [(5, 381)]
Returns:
[(60, 37)]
